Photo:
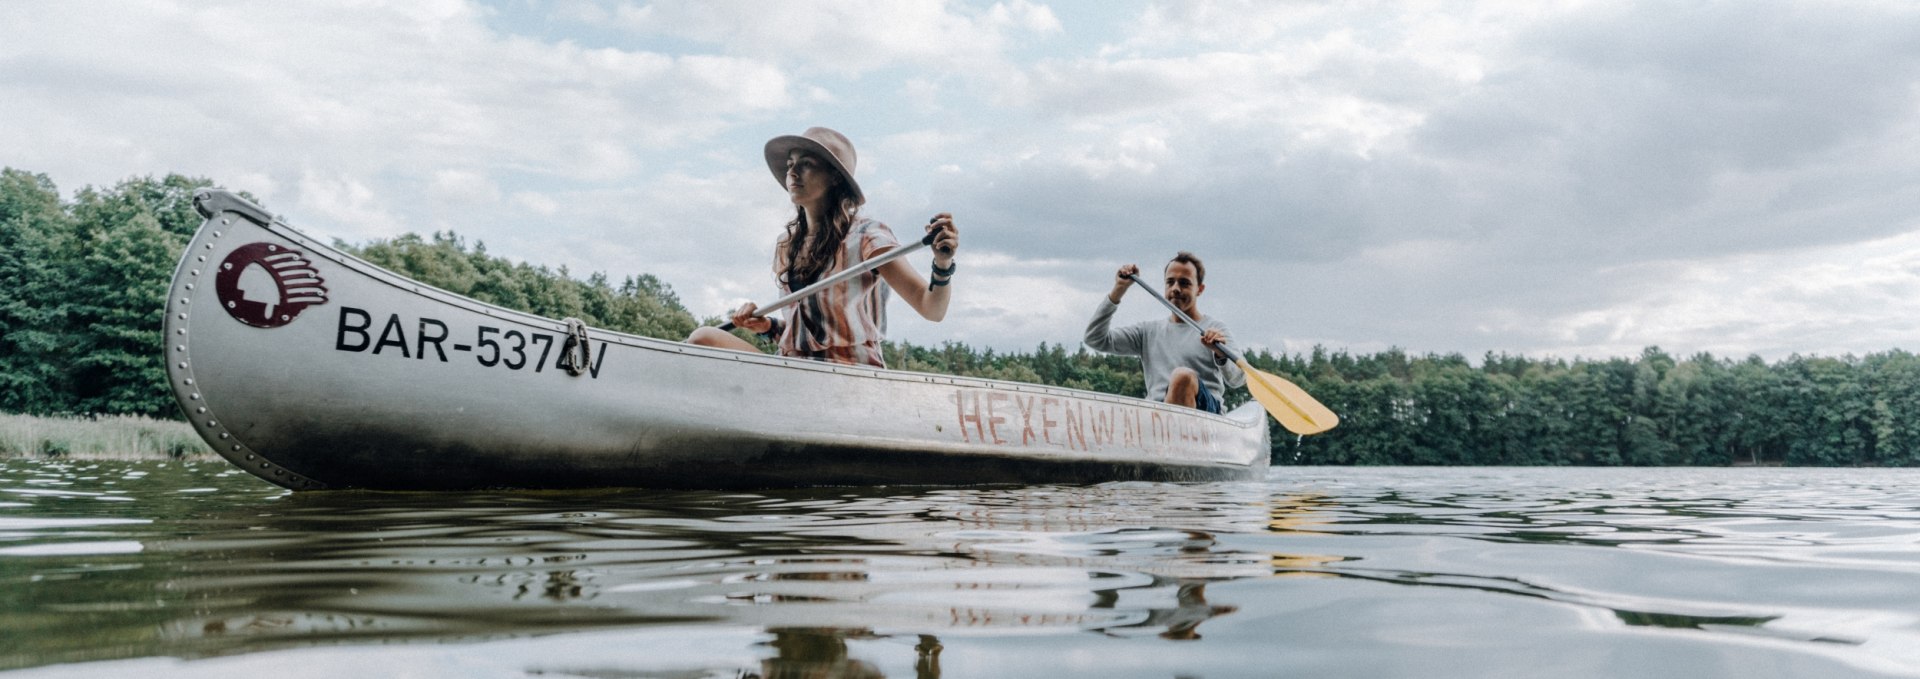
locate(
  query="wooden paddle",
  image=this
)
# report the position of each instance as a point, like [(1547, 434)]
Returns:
[(824, 283), (1288, 403)]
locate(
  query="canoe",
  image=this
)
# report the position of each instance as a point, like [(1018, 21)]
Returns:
[(313, 369)]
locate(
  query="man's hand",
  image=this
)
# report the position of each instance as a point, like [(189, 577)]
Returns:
[(1213, 338), (1122, 280)]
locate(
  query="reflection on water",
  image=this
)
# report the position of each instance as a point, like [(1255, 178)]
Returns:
[(1320, 569), (247, 568)]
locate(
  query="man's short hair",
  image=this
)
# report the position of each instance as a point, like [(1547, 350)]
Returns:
[(1199, 270)]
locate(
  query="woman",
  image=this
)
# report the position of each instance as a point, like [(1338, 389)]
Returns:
[(846, 322)]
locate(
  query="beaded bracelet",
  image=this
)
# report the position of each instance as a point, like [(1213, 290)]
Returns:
[(941, 276)]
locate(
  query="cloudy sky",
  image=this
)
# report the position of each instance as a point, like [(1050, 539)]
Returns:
[(1546, 178)]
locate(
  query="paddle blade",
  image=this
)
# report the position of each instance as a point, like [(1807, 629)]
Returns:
[(1288, 403)]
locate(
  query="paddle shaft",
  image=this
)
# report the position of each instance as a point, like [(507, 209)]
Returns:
[(1232, 355), (835, 279)]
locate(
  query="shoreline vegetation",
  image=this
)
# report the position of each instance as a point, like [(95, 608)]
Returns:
[(109, 437), (83, 282)]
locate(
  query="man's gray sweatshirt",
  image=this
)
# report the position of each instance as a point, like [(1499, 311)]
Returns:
[(1162, 345)]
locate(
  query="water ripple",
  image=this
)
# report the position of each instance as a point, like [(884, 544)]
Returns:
[(1812, 568)]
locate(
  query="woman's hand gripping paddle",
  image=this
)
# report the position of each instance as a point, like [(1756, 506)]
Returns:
[(1288, 403)]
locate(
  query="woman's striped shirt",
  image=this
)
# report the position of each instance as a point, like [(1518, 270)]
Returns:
[(846, 322)]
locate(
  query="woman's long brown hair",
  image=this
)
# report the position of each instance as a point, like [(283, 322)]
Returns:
[(798, 267)]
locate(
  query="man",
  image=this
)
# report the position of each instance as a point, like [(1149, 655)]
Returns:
[(1182, 367)]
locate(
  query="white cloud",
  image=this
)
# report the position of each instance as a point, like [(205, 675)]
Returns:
[(1548, 177), (405, 87), (348, 201), (845, 37), (464, 186), (1853, 298), (343, 116), (1555, 154), (1240, 24), (539, 203), (997, 298), (1024, 16)]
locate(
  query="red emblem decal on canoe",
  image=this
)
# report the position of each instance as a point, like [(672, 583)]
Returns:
[(266, 285)]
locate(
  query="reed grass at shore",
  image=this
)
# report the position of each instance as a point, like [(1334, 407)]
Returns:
[(98, 436)]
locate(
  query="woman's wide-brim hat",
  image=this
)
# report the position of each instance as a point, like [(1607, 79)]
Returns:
[(828, 145)]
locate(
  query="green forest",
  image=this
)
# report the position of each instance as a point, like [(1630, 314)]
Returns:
[(82, 282)]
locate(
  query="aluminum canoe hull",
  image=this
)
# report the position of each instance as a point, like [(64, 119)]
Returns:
[(312, 369)]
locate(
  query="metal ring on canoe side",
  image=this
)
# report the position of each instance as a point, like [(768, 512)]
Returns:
[(574, 356)]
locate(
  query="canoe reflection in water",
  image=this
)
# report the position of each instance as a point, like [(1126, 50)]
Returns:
[(845, 581), (823, 652), (807, 653)]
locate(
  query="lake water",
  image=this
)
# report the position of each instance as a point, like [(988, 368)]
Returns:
[(111, 568)]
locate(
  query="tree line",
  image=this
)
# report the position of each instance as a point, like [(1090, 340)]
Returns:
[(1653, 409), (83, 281)]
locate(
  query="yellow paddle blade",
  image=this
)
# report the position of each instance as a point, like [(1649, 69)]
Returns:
[(1288, 403)]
